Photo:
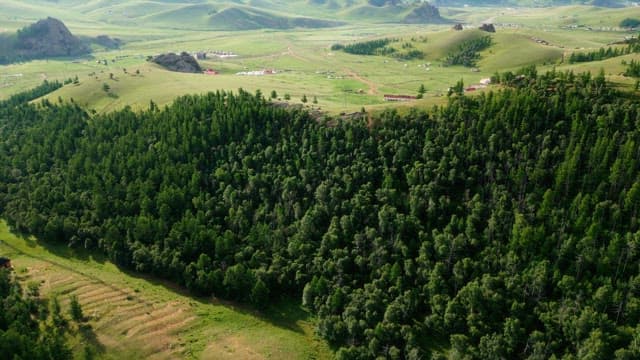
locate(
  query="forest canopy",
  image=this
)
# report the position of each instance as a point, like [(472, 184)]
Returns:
[(500, 226)]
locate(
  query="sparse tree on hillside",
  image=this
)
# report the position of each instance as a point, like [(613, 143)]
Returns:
[(421, 91), (75, 310), (457, 89)]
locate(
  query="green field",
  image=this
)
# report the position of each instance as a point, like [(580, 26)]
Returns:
[(135, 316), (303, 60)]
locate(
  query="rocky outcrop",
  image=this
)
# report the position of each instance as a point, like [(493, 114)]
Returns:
[(48, 38), (488, 28), (181, 63)]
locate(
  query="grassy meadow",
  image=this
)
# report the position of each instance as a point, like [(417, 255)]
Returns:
[(303, 60), (134, 316)]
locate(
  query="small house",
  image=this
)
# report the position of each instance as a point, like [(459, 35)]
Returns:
[(5, 263)]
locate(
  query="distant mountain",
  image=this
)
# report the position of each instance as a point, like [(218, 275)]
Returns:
[(384, 2), (263, 14), (607, 3), (425, 14), (46, 38), (536, 3), (236, 18)]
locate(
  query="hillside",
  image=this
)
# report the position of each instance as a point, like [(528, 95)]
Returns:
[(235, 18), (252, 14), (424, 14), (481, 228), (532, 3), (235, 15)]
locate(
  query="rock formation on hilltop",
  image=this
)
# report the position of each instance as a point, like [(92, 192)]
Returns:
[(488, 28), (181, 63), (48, 38)]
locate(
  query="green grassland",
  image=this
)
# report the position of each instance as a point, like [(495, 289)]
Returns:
[(303, 60), (133, 316)]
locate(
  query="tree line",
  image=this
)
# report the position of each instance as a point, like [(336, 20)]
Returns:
[(371, 47), (499, 226), (633, 47)]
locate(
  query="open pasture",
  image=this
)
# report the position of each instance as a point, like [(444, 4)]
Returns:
[(302, 58)]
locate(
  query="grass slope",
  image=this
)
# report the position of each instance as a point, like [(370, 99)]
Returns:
[(138, 317), (595, 17)]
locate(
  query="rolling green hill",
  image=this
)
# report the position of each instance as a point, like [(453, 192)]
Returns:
[(229, 15)]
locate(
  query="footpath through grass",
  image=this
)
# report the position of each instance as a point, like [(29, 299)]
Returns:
[(133, 316)]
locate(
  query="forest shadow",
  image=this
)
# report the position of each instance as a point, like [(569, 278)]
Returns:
[(61, 250), (68, 252), (90, 339), (281, 312)]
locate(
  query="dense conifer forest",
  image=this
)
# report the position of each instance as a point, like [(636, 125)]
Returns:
[(500, 226)]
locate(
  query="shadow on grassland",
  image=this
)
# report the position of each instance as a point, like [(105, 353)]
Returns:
[(283, 312)]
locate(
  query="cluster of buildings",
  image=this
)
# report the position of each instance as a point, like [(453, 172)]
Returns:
[(203, 55), (483, 84), (257, 72)]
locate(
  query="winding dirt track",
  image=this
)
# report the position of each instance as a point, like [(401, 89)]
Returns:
[(373, 88)]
